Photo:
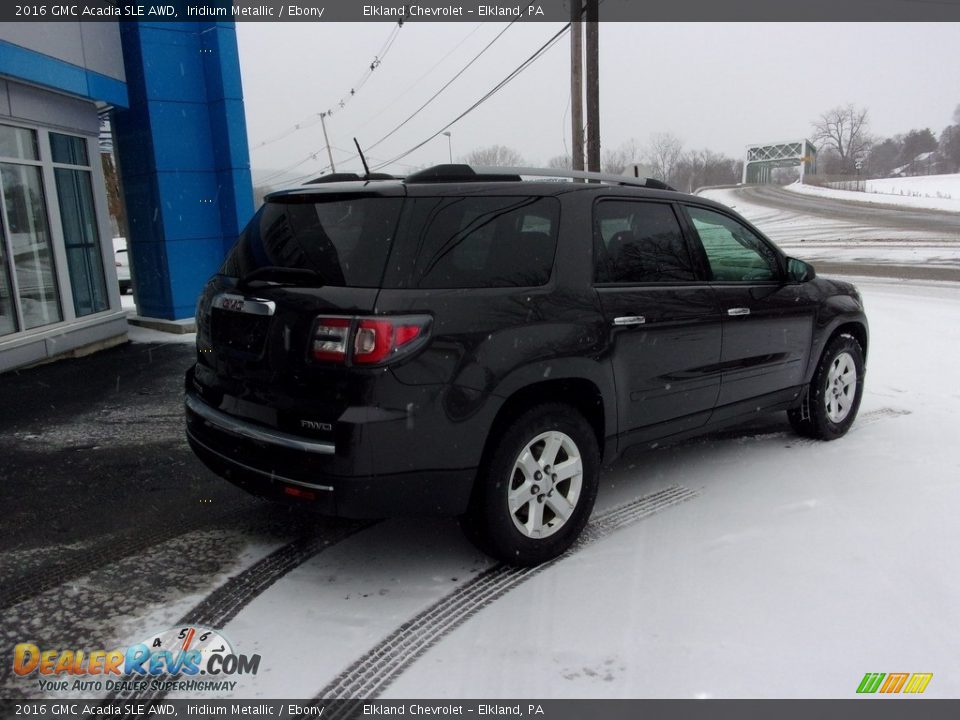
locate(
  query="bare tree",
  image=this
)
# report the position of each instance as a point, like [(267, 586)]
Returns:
[(495, 156), (118, 213), (883, 156), (616, 161), (560, 162), (843, 129), (662, 154), (701, 168), (956, 115), (950, 147)]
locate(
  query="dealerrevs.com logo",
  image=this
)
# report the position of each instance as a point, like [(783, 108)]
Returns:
[(187, 658), (892, 683)]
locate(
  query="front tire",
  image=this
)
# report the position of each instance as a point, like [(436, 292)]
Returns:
[(833, 397), (537, 487)]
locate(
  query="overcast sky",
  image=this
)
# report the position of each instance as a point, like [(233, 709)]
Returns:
[(718, 86)]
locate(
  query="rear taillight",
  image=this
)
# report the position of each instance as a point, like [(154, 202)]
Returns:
[(330, 339), (368, 340), (298, 493)]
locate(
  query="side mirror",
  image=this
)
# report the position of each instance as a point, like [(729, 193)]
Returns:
[(800, 271)]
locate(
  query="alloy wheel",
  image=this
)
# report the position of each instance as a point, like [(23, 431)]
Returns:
[(841, 389), (545, 484)]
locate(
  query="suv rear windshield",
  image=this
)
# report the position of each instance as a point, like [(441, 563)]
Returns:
[(344, 240)]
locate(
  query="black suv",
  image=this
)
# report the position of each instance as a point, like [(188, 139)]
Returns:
[(466, 342)]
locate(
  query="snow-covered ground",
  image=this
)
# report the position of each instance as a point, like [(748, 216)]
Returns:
[(140, 334), (933, 192), (776, 567), (798, 567), (782, 568), (815, 238)]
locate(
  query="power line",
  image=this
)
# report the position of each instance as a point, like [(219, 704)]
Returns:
[(416, 82), (445, 86), (312, 156), (313, 119), (493, 91)]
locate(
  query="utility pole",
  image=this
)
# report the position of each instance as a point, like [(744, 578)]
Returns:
[(593, 85), (323, 124), (576, 83)]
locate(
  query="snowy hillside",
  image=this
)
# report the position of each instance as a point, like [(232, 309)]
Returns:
[(934, 192)]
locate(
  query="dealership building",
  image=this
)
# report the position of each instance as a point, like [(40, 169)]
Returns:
[(173, 96)]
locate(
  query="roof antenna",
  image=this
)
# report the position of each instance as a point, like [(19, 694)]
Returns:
[(366, 170)]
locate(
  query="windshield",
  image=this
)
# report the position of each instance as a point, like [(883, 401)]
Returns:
[(345, 241)]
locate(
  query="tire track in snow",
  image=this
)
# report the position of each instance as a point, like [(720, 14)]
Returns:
[(867, 418), (753, 434), (225, 603), (372, 673)]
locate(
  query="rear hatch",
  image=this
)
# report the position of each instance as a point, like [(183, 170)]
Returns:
[(304, 256)]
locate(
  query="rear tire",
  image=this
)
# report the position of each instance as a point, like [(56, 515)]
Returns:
[(537, 487), (833, 397)]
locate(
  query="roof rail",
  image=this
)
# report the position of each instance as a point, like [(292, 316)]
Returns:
[(465, 173), (347, 177), (453, 173), (579, 175)]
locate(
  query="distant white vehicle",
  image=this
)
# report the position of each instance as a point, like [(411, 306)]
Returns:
[(122, 260)]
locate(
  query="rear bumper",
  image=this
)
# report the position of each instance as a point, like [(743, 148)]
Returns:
[(330, 476), (236, 427)]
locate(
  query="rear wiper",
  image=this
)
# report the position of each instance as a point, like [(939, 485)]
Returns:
[(281, 275)]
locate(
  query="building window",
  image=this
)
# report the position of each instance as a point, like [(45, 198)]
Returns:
[(78, 216), (8, 317), (19, 143), (27, 271)]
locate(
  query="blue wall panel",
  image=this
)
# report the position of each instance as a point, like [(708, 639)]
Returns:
[(189, 204), (183, 152), (153, 277), (196, 260), (29, 65), (189, 149)]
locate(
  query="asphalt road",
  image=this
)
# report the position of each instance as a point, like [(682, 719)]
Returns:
[(892, 216), (878, 218), (96, 469)]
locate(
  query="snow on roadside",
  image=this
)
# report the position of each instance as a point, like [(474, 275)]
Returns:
[(819, 238), (139, 334), (929, 192), (801, 566)]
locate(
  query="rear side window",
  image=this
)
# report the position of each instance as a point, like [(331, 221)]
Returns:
[(344, 240), (474, 242), (640, 242)]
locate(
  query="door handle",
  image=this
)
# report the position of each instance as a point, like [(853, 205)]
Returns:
[(629, 320), (738, 311)]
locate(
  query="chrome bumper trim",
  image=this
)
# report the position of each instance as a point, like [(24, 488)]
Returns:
[(272, 476), (241, 428)]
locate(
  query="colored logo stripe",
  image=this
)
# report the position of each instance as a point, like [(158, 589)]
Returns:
[(918, 683), (894, 683), (870, 682)]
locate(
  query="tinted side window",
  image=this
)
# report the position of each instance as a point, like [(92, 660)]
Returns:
[(640, 242), (733, 251), (472, 242)]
